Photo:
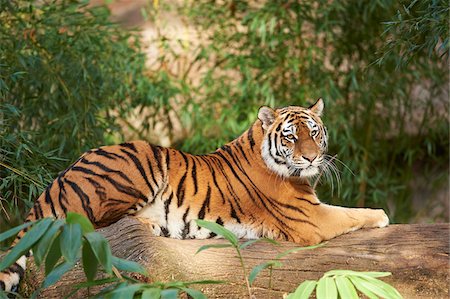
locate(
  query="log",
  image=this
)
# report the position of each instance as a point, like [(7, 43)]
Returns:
[(416, 254)]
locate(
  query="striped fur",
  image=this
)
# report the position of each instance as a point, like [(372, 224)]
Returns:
[(255, 186)]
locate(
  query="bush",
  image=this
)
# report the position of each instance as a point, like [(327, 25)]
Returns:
[(67, 75)]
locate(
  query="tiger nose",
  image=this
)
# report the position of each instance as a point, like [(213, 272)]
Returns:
[(310, 158)]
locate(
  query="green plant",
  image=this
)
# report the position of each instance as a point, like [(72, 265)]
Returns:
[(67, 76), (59, 244), (234, 243), (344, 284)]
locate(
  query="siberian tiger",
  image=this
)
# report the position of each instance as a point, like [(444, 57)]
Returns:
[(256, 186)]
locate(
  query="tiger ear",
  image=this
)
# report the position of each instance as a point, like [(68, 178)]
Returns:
[(267, 116), (317, 108)]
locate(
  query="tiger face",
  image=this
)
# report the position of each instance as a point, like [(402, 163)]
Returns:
[(295, 140)]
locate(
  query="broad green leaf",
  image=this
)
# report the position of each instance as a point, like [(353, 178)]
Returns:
[(304, 290), (195, 294), (53, 255), (169, 294), (41, 248), (391, 291), (101, 249), (70, 241), (27, 241), (129, 266), (255, 271), (152, 293), (90, 262), (345, 288), (292, 250), (204, 247), (362, 288), (15, 230), (326, 289), (126, 291), (219, 230), (357, 273), (56, 273), (85, 224), (250, 242), (375, 289)]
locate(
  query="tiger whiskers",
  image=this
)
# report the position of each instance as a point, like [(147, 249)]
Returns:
[(330, 171)]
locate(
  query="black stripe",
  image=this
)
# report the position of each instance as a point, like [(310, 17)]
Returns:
[(2, 285), (194, 175), (201, 214), (138, 165), (125, 189), (130, 146), (167, 159), (187, 226), (157, 154), (213, 174), (108, 155), (219, 221), (181, 188), (308, 201), (16, 268), (106, 169), (85, 202), (62, 196), (167, 205), (152, 174), (99, 189), (38, 210), (234, 215), (239, 147), (49, 200), (165, 232), (250, 137)]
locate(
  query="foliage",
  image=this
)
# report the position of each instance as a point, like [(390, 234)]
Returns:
[(344, 284), (281, 53), (59, 244), (67, 74)]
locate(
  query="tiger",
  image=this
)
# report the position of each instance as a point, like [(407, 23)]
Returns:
[(257, 185)]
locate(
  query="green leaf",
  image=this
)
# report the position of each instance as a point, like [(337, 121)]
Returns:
[(255, 271), (169, 294), (391, 291), (42, 247), (27, 241), (345, 288), (326, 289), (195, 294), (74, 218), (152, 293), (292, 250), (219, 230), (125, 291), (357, 273), (362, 287), (101, 249), (15, 230), (56, 273), (129, 266), (204, 247), (374, 288), (90, 262), (250, 242), (53, 255), (304, 290), (70, 241)]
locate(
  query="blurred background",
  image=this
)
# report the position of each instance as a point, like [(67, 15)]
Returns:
[(192, 74)]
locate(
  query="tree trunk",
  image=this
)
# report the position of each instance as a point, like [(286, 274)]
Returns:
[(417, 256)]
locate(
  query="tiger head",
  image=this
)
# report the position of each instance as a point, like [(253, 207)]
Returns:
[(295, 139)]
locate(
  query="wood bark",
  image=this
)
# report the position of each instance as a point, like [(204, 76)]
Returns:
[(416, 254)]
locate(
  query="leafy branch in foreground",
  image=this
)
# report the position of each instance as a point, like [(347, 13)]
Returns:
[(344, 284), (59, 244), (234, 242)]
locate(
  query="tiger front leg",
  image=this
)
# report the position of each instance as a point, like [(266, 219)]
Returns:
[(334, 221)]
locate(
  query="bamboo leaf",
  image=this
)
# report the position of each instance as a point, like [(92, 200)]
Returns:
[(346, 288), (70, 241), (257, 269), (204, 247), (129, 266), (326, 289), (101, 249), (219, 230), (304, 290), (90, 261), (74, 218)]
